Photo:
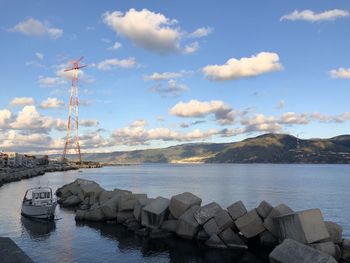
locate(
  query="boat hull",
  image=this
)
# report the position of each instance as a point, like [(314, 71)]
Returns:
[(42, 212)]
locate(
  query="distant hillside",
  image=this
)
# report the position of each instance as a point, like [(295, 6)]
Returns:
[(268, 148)]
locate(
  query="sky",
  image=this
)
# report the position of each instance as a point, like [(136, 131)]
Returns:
[(162, 73)]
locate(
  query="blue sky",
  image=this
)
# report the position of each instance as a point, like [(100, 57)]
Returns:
[(162, 73)]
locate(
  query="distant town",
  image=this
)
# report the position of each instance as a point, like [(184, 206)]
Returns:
[(14, 159)]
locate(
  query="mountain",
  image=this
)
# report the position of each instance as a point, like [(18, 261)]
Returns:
[(267, 148)]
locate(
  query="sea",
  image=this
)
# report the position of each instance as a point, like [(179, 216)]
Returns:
[(300, 186)]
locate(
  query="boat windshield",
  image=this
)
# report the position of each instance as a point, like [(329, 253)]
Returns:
[(42, 195)]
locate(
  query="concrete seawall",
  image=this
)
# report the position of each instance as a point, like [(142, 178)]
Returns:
[(292, 236), (11, 253)]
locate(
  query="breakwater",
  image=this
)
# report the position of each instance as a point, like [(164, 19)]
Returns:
[(302, 235), (8, 175)]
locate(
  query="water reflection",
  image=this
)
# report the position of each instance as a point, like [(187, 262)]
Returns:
[(174, 249), (36, 228)]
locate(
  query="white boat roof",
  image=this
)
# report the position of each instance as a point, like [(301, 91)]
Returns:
[(40, 189)]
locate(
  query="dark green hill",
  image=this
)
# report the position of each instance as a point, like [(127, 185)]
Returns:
[(267, 148)]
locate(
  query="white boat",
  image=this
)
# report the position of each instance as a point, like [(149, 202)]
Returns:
[(39, 202)]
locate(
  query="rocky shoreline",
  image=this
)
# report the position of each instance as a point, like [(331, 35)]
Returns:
[(8, 175), (301, 236)]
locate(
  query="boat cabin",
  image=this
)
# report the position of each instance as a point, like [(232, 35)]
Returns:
[(38, 196)]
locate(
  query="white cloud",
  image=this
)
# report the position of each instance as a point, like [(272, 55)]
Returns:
[(171, 88), (89, 123), (191, 48), (30, 119), (261, 63), (294, 118), (138, 135), (231, 132), (61, 125), (340, 73), (109, 64), (139, 123), (201, 32), (51, 103), (340, 118), (16, 141), (39, 55), (146, 29), (20, 101), (260, 123), (34, 27), (156, 76), (115, 46), (311, 16), (224, 114), (5, 118), (50, 81)]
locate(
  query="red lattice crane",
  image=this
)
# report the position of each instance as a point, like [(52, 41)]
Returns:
[(72, 137)]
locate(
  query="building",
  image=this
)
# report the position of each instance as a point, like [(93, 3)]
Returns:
[(14, 159), (3, 159)]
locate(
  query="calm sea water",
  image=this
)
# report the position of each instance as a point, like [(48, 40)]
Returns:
[(299, 186)]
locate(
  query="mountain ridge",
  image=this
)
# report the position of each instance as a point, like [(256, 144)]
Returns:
[(266, 148)]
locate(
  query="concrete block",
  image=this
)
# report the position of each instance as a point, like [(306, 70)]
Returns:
[(106, 195), (139, 205), (279, 210), (127, 202), (345, 249), (154, 213), (181, 202), (215, 242), (207, 212), (187, 226), (267, 239), (169, 225), (211, 227), (123, 216), (291, 251), (304, 226), (90, 189), (94, 214), (71, 201), (335, 231), (250, 224), (223, 220), (264, 209), (232, 240), (80, 215), (110, 208), (328, 248), (237, 210), (202, 235)]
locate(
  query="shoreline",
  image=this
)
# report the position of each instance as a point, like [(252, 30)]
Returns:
[(8, 175)]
